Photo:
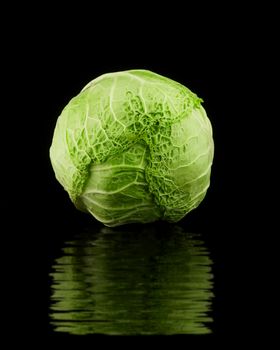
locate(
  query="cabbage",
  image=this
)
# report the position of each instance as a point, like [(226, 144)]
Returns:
[(134, 146)]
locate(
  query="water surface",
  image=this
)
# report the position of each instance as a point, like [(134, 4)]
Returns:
[(126, 282)]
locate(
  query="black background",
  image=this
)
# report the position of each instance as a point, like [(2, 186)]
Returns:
[(48, 61)]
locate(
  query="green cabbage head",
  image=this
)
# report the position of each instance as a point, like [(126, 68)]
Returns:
[(133, 146)]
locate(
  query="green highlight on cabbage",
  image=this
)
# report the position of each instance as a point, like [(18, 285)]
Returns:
[(134, 146)]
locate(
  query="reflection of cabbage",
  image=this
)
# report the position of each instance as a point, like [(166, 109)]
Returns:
[(134, 146), (133, 282)]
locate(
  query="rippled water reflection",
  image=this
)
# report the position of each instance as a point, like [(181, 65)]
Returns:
[(128, 282)]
